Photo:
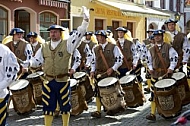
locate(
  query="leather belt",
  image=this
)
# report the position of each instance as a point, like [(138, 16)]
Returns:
[(159, 69), (58, 76)]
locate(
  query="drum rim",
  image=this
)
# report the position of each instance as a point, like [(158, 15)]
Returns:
[(75, 83), (35, 75), (178, 73), (16, 89), (155, 85), (78, 77), (122, 82), (109, 82)]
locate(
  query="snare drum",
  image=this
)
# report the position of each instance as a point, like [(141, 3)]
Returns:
[(78, 103), (183, 87), (23, 101), (111, 95), (133, 94), (84, 83), (37, 83), (167, 98)]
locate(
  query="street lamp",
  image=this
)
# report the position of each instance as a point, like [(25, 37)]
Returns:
[(177, 16)]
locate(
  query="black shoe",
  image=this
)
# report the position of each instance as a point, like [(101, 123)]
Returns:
[(151, 117)]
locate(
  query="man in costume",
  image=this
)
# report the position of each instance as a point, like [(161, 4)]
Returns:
[(9, 68), (160, 65), (108, 67), (55, 56)]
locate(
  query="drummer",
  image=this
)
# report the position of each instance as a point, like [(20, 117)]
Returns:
[(55, 55), (105, 68), (130, 55), (179, 43), (21, 48), (160, 66), (35, 44), (85, 50), (9, 68)]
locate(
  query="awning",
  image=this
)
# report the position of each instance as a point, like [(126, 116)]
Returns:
[(134, 10)]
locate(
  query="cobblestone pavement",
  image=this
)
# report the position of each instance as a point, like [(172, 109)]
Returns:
[(130, 117)]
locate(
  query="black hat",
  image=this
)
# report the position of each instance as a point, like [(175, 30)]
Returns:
[(170, 21), (101, 32), (56, 27), (32, 34), (88, 33), (158, 32), (16, 30), (121, 29)]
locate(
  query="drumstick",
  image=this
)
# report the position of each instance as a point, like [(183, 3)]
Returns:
[(100, 75), (160, 78), (128, 72)]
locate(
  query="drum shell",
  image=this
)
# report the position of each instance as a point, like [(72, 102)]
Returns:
[(133, 94), (87, 90), (168, 101), (183, 89), (78, 102), (23, 100), (37, 89), (111, 98)]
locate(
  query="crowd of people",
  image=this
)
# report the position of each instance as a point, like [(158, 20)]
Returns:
[(105, 61)]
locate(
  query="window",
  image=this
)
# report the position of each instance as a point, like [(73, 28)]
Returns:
[(99, 24), (162, 4), (171, 5), (149, 3), (3, 23), (46, 19), (130, 27), (115, 25)]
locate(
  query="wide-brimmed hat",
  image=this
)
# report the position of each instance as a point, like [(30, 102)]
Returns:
[(16, 30), (101, 32), (170, 21), (56, 27), (158, 32), (32, 34), (121, 29)]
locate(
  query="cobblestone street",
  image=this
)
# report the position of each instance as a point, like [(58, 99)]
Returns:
[(130, 117)]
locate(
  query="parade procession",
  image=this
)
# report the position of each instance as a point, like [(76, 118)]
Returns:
[(97, 63)]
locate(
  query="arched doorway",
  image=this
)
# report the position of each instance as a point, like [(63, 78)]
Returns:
[(152, 26), (22, 20)]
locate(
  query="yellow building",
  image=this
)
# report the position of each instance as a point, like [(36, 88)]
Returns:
[(110, 14)]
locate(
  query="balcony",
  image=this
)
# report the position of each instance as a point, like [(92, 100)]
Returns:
[(53, 3)]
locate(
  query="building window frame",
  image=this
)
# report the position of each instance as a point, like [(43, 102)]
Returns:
[(46, 19), (3, 22)]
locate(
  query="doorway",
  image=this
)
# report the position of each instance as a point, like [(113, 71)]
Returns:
[(22, 20)]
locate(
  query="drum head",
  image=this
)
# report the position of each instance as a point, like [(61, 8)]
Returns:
[(73, 82), (165, 83), (78, 75), (34, 75), (19, 84), (178, 76), (126, 79), (107, 81)]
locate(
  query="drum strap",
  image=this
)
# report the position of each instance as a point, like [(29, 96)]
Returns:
[(124, 57), (103, 58), (161, 59)]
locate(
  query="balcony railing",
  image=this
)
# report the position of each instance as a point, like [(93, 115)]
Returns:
[(53, 3)]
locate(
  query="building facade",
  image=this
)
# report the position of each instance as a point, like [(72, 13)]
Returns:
[(32, 15), (172, 7), (110, 14)]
